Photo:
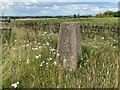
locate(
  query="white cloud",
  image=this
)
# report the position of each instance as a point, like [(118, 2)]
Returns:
[(78, 0), (33, 8), (55, 7), (74, 9), (5, 5), (67, 9), (36, 1), (105, 9)]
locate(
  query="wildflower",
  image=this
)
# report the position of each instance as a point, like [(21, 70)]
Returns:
[(38, 43), (27, 45), (23, 45), (89, 78), (48, 43), (27, 61), (39, 55), (54, 53), (90, 43), (101, 43), (80, 66), (45, 33), (65, 60), (52, 49), (20, 59), (36, 57), (41, 65), (54, 63), (35, 41), (103, 38), (58, 54), (30, 43), (81, 58), (47, 63), (43, 62), (50, 58), (43, 44), (34, 49), (13, 48), (15, 84), (40, 47), (114, 40), (93, 72)]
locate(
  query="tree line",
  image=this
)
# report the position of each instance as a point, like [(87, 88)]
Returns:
[(108, 14), (100, 15)]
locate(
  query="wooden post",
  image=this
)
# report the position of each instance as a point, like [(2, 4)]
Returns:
[(6, 25), (69, 46)]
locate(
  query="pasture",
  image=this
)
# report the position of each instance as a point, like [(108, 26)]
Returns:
[(28, 61)]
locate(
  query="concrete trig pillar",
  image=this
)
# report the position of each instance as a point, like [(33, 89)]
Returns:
[(69, 46)]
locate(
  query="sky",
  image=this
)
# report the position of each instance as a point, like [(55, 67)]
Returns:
[(56, 7)]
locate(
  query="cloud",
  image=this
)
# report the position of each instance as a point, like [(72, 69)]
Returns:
[(73, 9), (36, 1), (54, 9)]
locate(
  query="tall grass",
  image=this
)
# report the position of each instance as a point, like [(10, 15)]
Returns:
[(30, 60)]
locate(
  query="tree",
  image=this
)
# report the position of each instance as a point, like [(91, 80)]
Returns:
[(108, 14), (99, 15), (75, 16), (117, 14)]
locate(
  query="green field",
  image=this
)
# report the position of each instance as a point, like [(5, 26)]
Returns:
[(29, 57)]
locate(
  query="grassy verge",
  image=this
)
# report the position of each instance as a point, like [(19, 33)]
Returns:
[(30, 60)]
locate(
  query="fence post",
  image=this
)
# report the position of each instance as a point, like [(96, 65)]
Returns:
[(69, 46), (6, 25)]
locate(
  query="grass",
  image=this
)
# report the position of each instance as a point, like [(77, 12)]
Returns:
[(30, 60)]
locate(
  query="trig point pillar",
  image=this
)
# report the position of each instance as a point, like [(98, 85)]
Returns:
[(69, 46)]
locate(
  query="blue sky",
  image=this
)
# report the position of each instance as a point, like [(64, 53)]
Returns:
[(55, 8)]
